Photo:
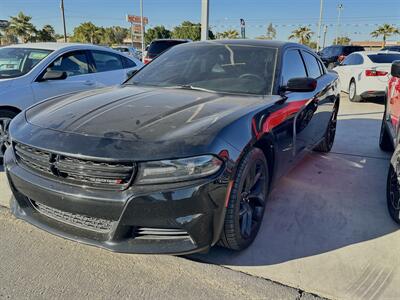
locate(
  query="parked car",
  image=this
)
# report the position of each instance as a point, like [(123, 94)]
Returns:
[(390, 139), (391, 48), (128, 50), (157, 47), (30, 73), (365, 75), (181, 156), (333, 55)]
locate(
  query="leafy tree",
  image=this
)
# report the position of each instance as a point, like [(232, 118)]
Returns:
[(229, 34), (303, 34), (342, 40), (312, 45), (158, 32), (88, 33), (271, 32), (385, 30), (46, 34), (119, 34), (189, 30), (21, 27)]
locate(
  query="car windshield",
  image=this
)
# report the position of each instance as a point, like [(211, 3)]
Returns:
[(15, 62), (383, 58), (215, 67)]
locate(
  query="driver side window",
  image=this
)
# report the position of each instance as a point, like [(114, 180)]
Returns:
[(73, 63), (293, 66)]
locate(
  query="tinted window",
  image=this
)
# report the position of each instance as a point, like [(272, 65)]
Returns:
[(391, 48), (127, 63), (73, 63), (311, 64), (219, 68), (293, 66), (158, 47), (353, 59), (335, 50), (384, 58), (106, 61)]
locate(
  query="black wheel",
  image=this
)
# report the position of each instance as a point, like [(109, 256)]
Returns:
[(385, 142), (5, 117), (327, 143), (353, 97), (247, 201), (393, 195)]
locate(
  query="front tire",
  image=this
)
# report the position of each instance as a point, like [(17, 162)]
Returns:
[(247, 201), (393, 195), (385, 142), (5, 118), (353, 97)]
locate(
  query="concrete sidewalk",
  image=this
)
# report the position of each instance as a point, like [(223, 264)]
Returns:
[(5, 193), (326, 227)]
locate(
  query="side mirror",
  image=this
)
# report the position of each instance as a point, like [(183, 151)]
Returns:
[(303, 84), (54, 75), (395, 69)]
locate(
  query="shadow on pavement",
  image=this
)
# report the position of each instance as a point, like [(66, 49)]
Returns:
[(329, 201)]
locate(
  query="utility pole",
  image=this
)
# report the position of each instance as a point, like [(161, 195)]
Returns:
[(142, 25), (320, 23), (204, 19), (63, 20), (340, 7), (325, 31)]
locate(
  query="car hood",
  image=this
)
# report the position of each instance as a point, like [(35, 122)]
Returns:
[(138, 113)]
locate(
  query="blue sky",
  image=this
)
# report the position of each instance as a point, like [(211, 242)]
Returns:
[(359, 17)]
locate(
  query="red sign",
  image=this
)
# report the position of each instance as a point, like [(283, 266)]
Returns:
[(137, 19)]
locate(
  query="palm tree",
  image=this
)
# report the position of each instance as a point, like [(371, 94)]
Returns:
[(302, 34), (47, 34), (385, 30), (21, 27), (88, 33), (229, 34)]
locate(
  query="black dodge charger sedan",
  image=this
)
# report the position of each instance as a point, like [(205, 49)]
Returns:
[(181, 156)]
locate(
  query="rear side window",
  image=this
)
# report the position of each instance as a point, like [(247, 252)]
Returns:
[(73, 63), (311, 62), (353, 59), (128, 63), (293, 66), (159, 47), (106, 61), (383, 58)]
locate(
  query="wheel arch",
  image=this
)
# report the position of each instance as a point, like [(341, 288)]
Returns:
[(10, 108)]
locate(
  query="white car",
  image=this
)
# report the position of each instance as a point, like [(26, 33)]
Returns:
[(365, 75), (30, 73), (128, 50)]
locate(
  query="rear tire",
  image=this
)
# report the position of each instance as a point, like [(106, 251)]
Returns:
[(385, 142), (327, 143), (6, 116), (393, 195), (353, 97), (247, 200)]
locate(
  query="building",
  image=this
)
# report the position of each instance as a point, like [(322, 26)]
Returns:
[(373, 45)]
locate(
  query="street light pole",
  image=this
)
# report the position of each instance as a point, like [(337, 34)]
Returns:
[(340, 7), (142, 25), (320, 23), (325, 31), (204, 19), (63, 20)]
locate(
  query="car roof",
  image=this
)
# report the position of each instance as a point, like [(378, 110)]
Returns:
[(364, 53), (173, 40), (55, 46)]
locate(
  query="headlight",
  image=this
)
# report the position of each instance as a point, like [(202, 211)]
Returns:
[(184, 169)]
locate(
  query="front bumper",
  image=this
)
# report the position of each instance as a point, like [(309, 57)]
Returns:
[(170, 219)]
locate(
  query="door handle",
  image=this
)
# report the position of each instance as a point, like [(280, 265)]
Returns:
[(88, 82)]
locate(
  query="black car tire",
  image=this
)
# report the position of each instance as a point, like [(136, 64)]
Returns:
[(327, 143), (5, 114), (252, 169), (393, 195), (353, 97), (385, 142)]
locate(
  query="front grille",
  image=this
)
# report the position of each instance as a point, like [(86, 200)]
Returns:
[(159, 233), (82, 221), (98, 174)]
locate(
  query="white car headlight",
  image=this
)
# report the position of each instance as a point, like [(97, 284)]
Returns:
[(166, 171)]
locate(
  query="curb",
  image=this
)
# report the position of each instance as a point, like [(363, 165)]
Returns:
[(5, 192)]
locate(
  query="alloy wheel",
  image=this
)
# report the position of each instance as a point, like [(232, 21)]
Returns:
[(252, 199), (332, 128), (4, 123), (352, 90), (394, 190)]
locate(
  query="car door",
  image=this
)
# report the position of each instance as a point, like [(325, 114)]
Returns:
[(79, 76), (109, 68), (319, 111), (393, 105)]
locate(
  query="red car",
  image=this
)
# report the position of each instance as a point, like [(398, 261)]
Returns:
[(390, 139)]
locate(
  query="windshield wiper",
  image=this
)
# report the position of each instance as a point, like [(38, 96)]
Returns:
[(190, 87)]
